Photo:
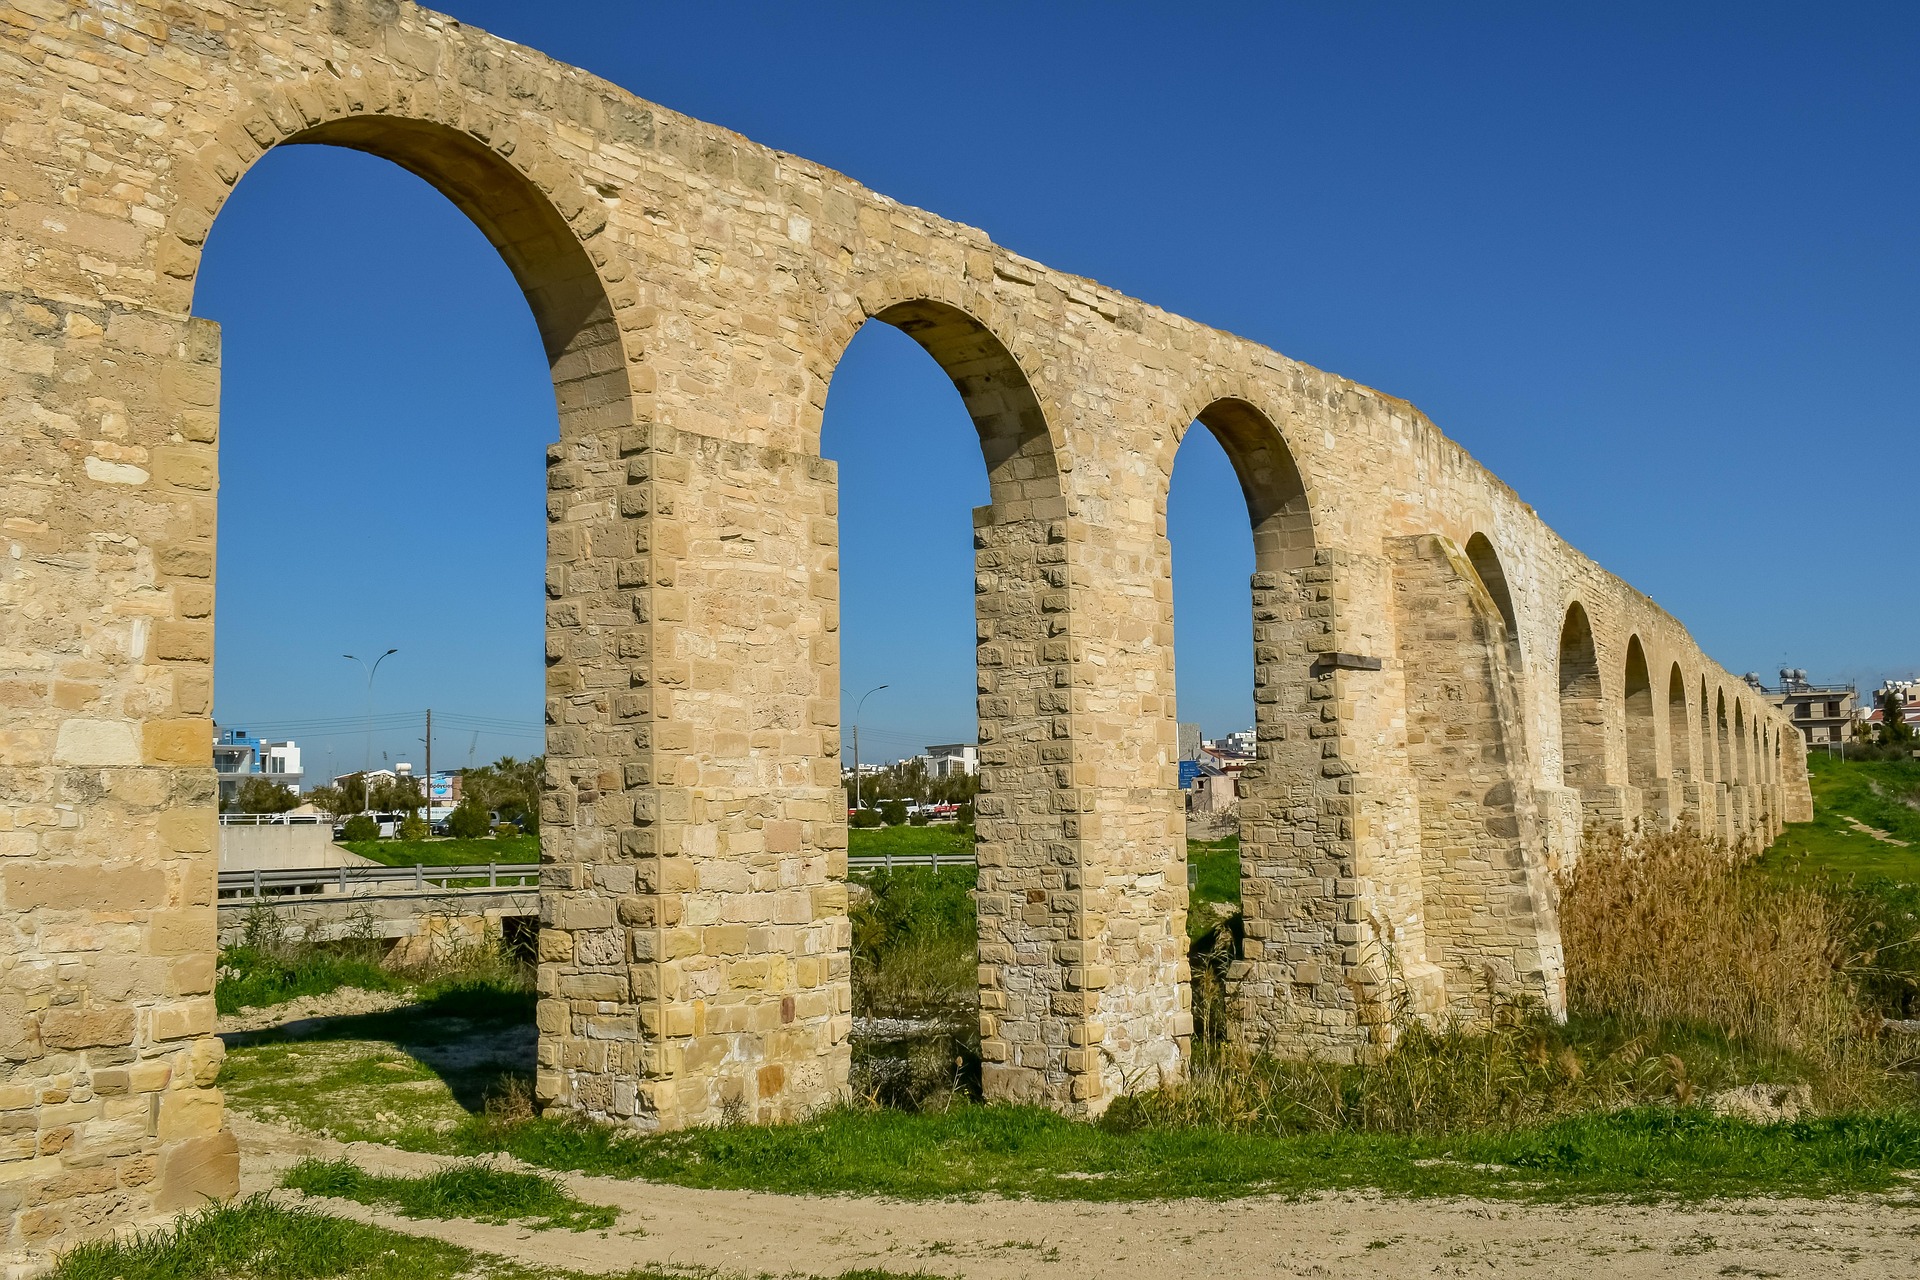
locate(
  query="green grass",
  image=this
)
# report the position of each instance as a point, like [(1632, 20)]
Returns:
[(1215, 877), (256, 1239), (448, 852), (908, 841), (1876, 884), (254, 977), (467, 1190), (1884, 794), (1649, 1152)]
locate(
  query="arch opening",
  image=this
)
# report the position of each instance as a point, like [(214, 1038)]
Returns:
[(1274, 884), (1643, 768), (1679, 727), (489, 449), (1583, 760), (1493, 576)]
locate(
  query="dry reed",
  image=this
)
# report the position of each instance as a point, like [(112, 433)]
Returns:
[(1675, 928)]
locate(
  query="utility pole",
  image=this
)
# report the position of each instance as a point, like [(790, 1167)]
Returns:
[(429, 765), (856, 742)]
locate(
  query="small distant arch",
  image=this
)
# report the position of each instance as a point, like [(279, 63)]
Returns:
[(1643, 769), (1486, 564), (1742, 772), (1723, 738), (1582, 716), (1709, 754), (1679, 726)]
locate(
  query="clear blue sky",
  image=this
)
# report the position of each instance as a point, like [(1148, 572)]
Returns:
[(1653, 265)]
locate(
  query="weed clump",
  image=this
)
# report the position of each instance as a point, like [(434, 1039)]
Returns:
[(470, 1189)]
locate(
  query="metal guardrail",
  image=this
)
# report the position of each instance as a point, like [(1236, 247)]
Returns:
[(888, 862), (297, 881), (275, 820)]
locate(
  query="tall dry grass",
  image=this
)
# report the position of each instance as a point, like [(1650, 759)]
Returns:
[(1690, 971), (1676, 928)]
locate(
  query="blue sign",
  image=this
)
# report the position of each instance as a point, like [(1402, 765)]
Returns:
[(1189, 770)]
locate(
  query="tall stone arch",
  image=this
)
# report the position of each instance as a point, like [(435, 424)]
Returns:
[(1642, 742), (1295, 989), (1583, 721), (1487, 904), (1106, 1004), (1683, 751)]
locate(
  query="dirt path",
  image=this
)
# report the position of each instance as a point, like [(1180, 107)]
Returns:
[(1343, 1235)]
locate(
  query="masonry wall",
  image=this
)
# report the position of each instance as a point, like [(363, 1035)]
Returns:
[(694, 292)]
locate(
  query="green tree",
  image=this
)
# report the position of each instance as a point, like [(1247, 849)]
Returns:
[(361, 826), (1894, 729), (351, 794), (329, 801), (509, 787), (396, 795), (468, 820), (257, 795)]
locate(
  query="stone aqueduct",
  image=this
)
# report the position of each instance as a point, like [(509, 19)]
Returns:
[(1447, 693)]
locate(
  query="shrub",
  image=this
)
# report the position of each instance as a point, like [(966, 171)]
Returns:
[(920, 819), (361, 826), (506, 831), (964, 817), (894, 812), (865, 818), (468, 821), (414, 828)]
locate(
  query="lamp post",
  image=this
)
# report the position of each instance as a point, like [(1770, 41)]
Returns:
[(366, 800), (856, 742)]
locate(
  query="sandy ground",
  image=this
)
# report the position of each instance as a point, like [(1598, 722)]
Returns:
[(1343, 1235)]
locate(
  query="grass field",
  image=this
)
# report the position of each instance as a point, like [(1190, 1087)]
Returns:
[(907, 841), (1880, 794), (448, 852)]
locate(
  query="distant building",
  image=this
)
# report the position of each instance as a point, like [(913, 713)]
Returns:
[(955, 759), (1823, 713), (1905, 692), (239, 756)]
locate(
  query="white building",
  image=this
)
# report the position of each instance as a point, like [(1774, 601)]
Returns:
[(953, 759)]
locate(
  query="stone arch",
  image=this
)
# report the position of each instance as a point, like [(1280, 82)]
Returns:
[(536, 212), (1493, 576), (543, 226), (1728, 780), (1679, 727), (1283, 900), (983, 349), (1742, 763), (1583, 723), (1486, 893), (1709, 750), (1025, 818), (1643, 768)]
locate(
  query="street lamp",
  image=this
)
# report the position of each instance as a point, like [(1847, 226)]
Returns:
[(856, 742), (366, 801)]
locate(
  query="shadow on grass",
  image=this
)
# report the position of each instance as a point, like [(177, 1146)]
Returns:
[(473, 1036)]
